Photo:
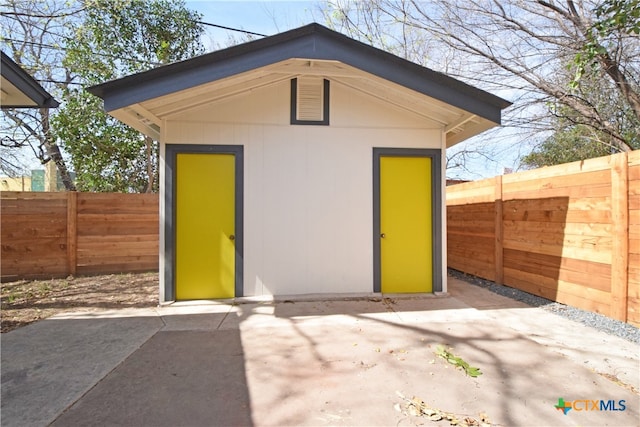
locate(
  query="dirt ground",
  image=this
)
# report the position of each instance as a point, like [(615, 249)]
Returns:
[(27, 301)]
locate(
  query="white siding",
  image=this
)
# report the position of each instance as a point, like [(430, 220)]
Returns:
[(308, 189)]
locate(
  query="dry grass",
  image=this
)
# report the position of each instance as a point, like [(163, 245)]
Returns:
[(27, 301)]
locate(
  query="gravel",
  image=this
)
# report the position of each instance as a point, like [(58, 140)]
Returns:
[(594, 320)]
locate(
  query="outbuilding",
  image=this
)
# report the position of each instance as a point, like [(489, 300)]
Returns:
[(19, 90), (301, 163)]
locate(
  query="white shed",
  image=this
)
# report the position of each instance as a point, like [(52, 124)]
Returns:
[(305, 162)]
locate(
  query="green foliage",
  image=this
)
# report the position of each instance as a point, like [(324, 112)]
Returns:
[(121, 37), (456, 361), (623, 15), (577, 136), (565, 147), (118, 38), (613, 17), (105, 154), (574, 139)]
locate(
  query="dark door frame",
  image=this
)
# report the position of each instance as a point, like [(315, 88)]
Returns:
[(436, 209), (171, 153)]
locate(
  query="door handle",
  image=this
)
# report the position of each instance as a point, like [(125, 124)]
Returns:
[(382, 235), (232, 237)]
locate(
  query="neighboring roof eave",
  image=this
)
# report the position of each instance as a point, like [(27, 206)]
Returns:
[(26, 84), (312, 41)]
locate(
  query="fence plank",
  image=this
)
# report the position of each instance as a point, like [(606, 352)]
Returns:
[(620, 255), (72, 231), (598, 275), (499, 233), (46, 235), (595, 179), (633, 285), (570, 232), (472, 193), (567, 293), (583, 166)]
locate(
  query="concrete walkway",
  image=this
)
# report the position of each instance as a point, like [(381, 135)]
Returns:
[(319, 362)]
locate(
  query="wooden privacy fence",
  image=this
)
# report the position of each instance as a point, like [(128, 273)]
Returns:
[(47, 235), (569, 233)]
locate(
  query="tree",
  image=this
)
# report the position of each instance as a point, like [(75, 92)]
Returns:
[(571, 139), (614, 19), (573, 143), (527, 50), (34, 31), (68, 45), (113, 40), (106, 154), (371, 22)]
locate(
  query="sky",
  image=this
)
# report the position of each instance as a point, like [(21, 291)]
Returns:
[(263, 17), (272, 17), (275, 16)]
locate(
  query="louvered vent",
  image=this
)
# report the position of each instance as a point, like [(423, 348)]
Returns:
[(310, 99)]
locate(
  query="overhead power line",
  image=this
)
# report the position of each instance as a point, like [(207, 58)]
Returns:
[(63, 48), (58, 47), (231, 29), (39, 16)]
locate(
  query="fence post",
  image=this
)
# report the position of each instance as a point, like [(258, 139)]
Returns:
[(72, 232), (620, 244), (499, 251)]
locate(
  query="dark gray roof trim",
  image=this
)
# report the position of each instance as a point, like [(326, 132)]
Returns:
[(312, 41), (25, 84)]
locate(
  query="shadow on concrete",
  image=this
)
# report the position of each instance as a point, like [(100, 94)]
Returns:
[(176, 378), (354, 364), (324, 362)]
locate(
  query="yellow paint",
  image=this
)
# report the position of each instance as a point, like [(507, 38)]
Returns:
[(405, 221), (205, 222)]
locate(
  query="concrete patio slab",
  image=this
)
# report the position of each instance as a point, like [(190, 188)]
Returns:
[(176, 378), (316, 362), (49, 365)]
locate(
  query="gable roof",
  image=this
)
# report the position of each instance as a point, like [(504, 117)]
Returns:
[(308, 49), (20, 90)]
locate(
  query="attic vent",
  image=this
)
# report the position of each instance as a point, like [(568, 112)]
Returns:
[(310, 101)]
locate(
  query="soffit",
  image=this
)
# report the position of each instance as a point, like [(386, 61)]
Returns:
[(458, 124), (11, 95), (19, 90)]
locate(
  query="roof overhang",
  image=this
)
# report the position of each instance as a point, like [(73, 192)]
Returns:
[(19, 90), (143, 100)]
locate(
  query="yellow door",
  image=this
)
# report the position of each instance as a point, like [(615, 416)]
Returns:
[(406, 241), (205, 226)]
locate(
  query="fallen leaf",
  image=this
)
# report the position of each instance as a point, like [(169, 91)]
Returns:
[(457, 361), (414, 411), (472, 421), (418, 407)]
